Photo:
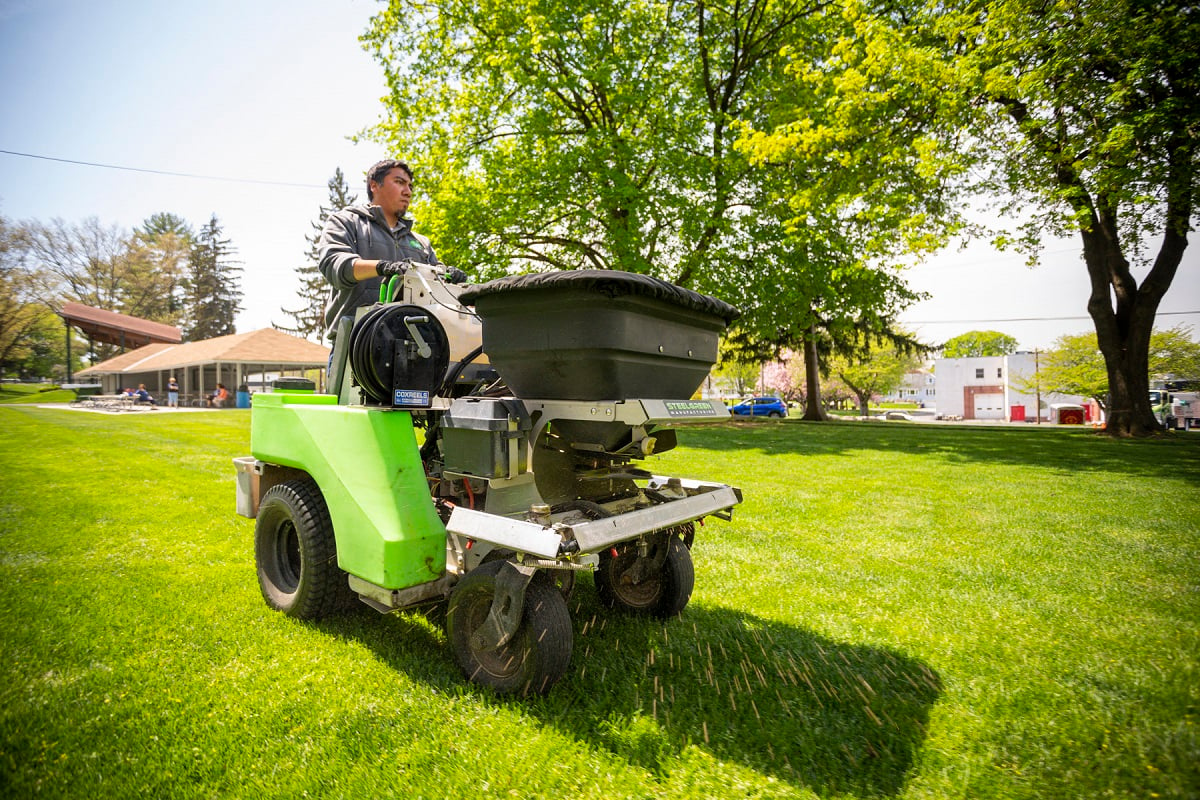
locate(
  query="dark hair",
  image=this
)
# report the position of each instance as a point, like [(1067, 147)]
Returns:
[(379, 171)]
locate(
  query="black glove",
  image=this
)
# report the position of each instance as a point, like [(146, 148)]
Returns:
[(456, 275), (386, 269)]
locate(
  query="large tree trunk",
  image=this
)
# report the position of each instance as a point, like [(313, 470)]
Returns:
[(1123, 314), (814, 411)]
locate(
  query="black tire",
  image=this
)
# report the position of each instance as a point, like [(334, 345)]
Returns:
[(775, 415), (537, 655), (296, 555), (663, 594)]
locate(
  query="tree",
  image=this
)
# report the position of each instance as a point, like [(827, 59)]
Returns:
[(974, 344), (1075, 365), (786, 376), (158, 254), (1086, 117), (673, 140), (20, 310), (1175, 355), (308, 320), (86, 262), (212, 288), (876, 371), (855, 168), (106, 267), (43, 351), (594, 134), (741, 376)]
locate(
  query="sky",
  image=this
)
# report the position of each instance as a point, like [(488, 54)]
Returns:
[(256, 100)]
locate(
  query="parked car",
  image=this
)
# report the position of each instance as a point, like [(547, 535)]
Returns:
[(760, 407)]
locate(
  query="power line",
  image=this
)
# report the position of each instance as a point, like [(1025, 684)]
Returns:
[(1026, 319), (164, 172)]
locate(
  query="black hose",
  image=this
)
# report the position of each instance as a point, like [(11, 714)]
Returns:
[(451, 378)]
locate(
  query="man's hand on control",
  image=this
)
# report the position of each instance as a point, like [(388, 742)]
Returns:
[(455, 275), (388, 268)]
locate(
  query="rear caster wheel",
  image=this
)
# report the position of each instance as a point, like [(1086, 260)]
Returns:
[(658, 584), (539, 651)]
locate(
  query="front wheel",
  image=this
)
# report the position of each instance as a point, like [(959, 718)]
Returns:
[(538, 653), (659, 583), (295, 552)]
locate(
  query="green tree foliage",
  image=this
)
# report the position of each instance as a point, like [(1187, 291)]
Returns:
[(874, 371), (595, 134), (43, 350), (1075, 365), (158, 255), (657, 137), (1087, 118), (741, 377), (974, 344), (805, 290), (20, 310), (308, 319), (212, 287), (1175, 355), (855, 175)]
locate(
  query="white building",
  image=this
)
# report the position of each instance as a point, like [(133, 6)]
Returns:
[(995, 388)]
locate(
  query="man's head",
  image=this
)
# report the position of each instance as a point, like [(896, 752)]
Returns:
[(389, 186)]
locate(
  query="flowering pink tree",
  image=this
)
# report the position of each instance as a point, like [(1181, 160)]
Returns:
[(785, 377)]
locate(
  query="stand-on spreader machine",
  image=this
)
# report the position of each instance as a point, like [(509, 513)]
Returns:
[(486, 456)]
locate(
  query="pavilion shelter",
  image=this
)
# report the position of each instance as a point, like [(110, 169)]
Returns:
[(110, 327), (200, 366)]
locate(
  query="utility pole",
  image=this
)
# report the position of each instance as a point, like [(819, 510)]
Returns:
[(1037, 382)]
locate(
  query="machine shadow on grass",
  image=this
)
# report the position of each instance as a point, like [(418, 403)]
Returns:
[(1046, 446), (832, 717)]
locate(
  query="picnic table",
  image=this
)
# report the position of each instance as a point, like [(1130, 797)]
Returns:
[(110, 402)]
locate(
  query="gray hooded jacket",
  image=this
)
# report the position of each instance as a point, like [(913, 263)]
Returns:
[(361, 232)]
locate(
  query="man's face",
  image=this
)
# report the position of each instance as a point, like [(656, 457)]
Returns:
[(393, 193)]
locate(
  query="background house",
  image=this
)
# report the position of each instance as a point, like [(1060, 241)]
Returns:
[(919, 386)]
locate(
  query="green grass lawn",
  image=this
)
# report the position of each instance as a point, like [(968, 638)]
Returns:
[(895, 611), (34, 393)]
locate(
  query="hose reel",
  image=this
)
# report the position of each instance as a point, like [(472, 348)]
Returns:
[(399, 355)]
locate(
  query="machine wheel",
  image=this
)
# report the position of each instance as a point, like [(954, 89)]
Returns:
[(535, 657), (295, 553), (622, 583)]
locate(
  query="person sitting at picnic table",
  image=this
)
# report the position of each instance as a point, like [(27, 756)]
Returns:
[(143, 396), (219, 397)]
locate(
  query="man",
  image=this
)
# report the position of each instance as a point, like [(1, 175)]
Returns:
[(364, 244)]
